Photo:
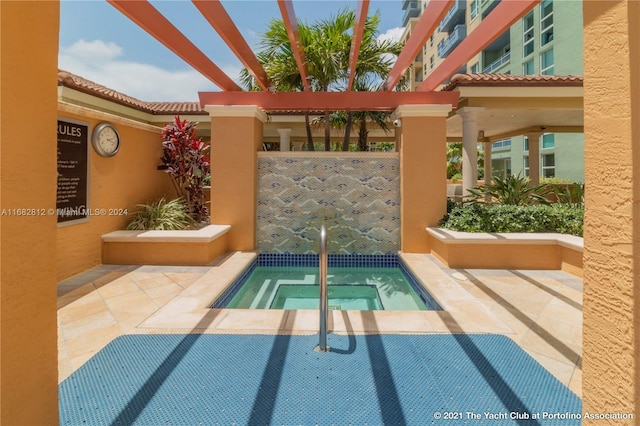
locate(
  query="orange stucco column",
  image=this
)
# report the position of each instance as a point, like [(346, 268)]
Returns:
[(422, 138), (28, 101), (236, 136), (611, 327)]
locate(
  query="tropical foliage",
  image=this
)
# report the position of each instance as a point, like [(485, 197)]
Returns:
[(326, 46), (185, 158), (162, 215), (514, 190), (561, 218), (454, 161)]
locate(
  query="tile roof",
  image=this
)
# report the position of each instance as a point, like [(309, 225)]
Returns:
[(508, 80), (76, 82)]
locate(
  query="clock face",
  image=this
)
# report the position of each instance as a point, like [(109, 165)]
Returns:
[(106, 140)]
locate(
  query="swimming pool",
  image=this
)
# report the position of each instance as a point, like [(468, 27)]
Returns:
[(355, 282)]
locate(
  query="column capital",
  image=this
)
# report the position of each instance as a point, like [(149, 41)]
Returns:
[(427, 110), (469, 112), (284, 132), (533, 134), (252, 111)]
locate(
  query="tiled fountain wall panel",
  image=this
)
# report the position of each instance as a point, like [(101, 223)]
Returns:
[(356, 196)]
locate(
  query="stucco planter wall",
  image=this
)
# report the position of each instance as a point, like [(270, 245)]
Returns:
[(192, 247), (507, 250)]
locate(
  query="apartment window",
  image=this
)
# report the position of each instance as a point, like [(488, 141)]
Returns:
[(527, 34), (548, 165), (474, 9), (431, 41), (526, 165), (502, 144), (527, 68), (546, 22), (526, 144), (546, 62), (474, 68), (432, 61), (548, 140)]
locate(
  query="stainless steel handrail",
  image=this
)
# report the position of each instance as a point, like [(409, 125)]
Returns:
[(324, 301)]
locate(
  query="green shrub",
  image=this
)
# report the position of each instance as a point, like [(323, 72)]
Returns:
[(162, 215), (561, 218), (514, 190)]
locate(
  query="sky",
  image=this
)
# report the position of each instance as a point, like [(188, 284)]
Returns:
[(100, 44)]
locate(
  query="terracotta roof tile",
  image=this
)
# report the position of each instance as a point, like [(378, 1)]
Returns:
[(176, 107), (76, 82), (508, 80)]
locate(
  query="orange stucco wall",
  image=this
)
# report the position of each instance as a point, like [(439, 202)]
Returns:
[(234, 143), (161, 253), (507, 256), (28, 344), (119, 182), (611, 233), (423, 175)]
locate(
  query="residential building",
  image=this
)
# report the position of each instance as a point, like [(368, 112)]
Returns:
[(548, 41)]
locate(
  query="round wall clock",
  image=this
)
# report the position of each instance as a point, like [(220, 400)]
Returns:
[(105, 140)]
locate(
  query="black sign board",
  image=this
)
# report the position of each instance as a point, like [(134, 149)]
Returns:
[(71, 201)]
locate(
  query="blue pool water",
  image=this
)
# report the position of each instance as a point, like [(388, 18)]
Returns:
[(354, 283)]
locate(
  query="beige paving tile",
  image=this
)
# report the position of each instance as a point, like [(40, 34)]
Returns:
[(118, 288), (562, 312), (163, 291), (93, 341), (137, 301), (550, 346), (381, 321), (65, 368), (576, 382), (73, 311), (271, 319), (75, 295), (158, 281), (567, 333), (109, 278), (87, 324), (563, 371)]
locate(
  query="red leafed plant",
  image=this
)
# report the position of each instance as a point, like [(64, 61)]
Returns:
[(186, 160)]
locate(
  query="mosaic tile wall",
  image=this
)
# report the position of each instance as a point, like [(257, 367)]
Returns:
[(356, 196)]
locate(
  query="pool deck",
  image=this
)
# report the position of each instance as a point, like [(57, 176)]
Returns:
[(541, 311)]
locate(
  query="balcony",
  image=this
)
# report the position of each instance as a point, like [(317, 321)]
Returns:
[(454, 16), (457, 35), (487, 6), (493, 66), (412, 10)]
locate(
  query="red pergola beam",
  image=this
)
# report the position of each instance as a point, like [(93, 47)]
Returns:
[(358, 30), (291, 24), (153, 22), (498, 21), (328, 101), (426, 26), (215, 13)]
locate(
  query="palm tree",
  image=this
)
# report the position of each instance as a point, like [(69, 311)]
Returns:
[(276, 57), (326, 46)]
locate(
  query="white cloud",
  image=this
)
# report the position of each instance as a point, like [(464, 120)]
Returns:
[(101, 63), (94, 50), (393, 34)]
